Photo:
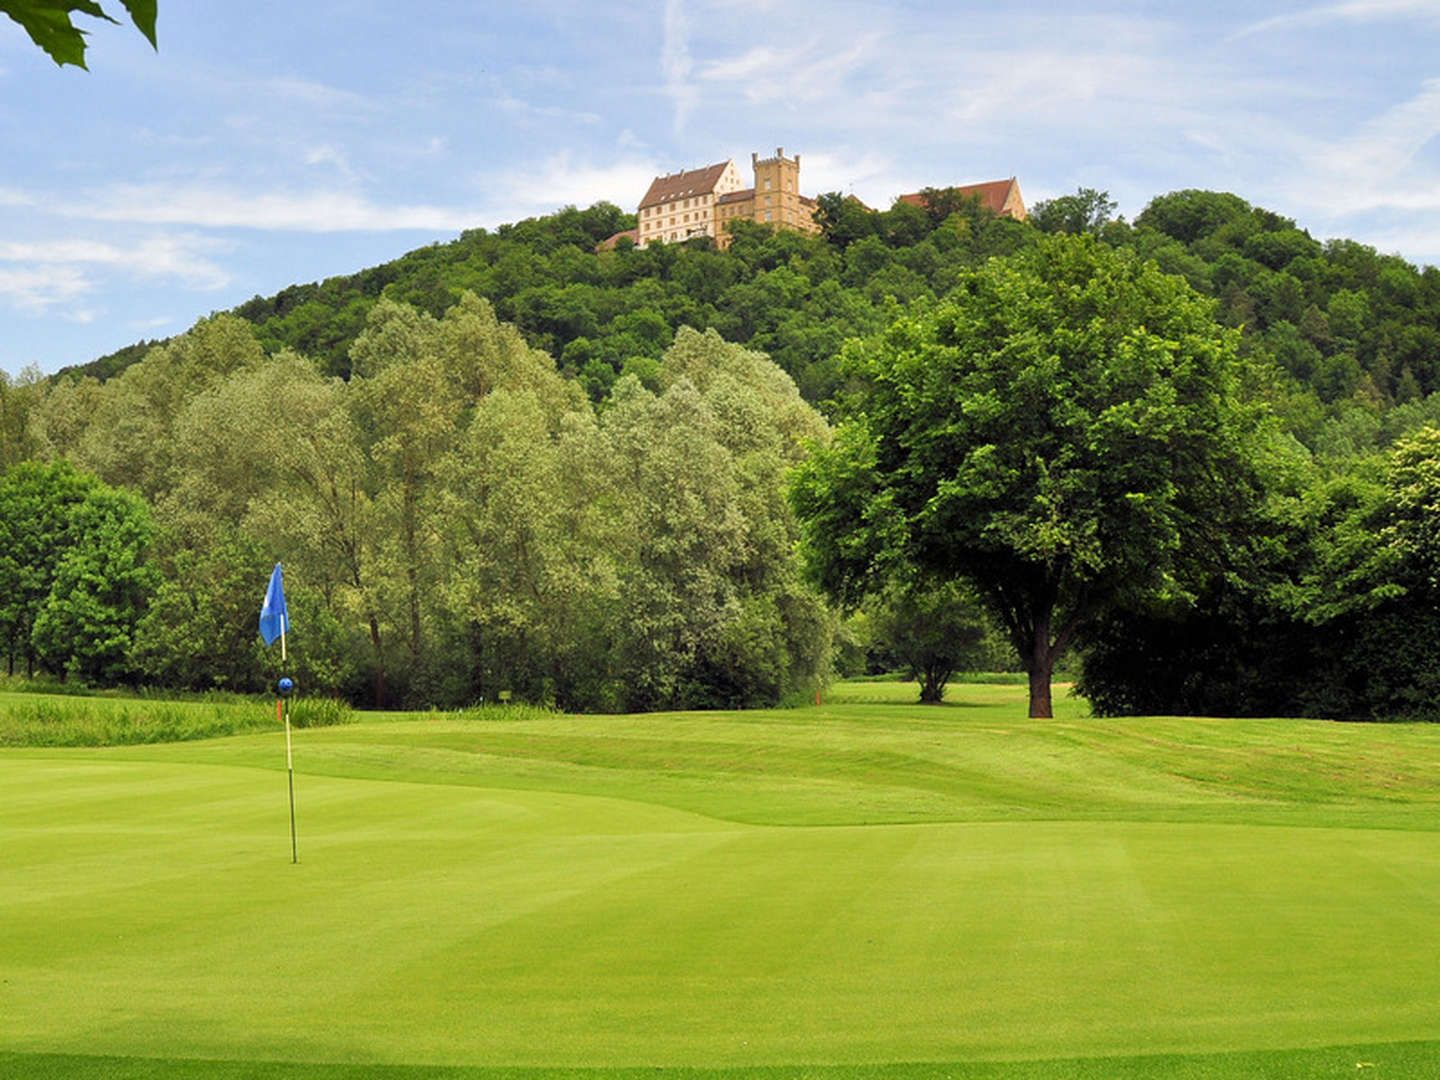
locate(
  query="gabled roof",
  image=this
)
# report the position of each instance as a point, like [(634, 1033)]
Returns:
[(735, 196), (993, 194), (682, 185)]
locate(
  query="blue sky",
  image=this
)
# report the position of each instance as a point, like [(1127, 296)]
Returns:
[(273, 142)]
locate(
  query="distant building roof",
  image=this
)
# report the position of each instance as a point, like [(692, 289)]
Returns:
[(682, 185), (608, 244), (994, 195)]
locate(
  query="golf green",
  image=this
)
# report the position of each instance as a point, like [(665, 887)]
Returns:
[(555, 896)]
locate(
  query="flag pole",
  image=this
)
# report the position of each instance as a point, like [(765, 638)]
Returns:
[(282, 711), (274, 621), (290, 771)]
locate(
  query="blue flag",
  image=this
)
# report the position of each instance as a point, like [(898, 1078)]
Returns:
[(273, 617)]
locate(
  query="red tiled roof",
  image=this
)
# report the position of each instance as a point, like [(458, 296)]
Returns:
[(992, 194), (735, 196), (683, 184), (608, 244)]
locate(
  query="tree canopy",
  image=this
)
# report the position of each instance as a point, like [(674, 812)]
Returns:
[(1064, 430)]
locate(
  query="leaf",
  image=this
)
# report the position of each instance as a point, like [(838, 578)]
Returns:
[(48, 22), (142, 14)]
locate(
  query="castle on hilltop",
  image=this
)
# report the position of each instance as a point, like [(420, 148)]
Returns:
[(702, 202)]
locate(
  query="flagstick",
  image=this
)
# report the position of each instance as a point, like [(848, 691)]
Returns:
[(283, 707)]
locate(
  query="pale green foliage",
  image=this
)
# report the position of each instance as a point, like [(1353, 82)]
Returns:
[(531, 543), (1411, 533), (456, 520), (127, 438), (19, 414)]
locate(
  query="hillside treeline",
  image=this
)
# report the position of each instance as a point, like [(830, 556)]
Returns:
[(512, 462)]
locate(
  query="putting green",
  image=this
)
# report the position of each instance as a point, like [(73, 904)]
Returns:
[(149, 908)]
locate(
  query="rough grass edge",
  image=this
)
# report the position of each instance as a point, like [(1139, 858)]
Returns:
[(59, 721)]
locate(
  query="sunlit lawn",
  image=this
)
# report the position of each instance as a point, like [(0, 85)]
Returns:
[(865, 888)]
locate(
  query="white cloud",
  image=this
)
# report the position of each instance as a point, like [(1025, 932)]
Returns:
[(217, 207), (872, 177), (803, 75), (32, 289), (676, 65), (1353, 11), (562, 182), (524, 110), (1376, 168), (312, 93), (156, 256)]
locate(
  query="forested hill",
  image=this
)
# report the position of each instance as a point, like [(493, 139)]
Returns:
[(1353, 332)]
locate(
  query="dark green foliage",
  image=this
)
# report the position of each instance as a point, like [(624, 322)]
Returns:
[(793, 296), (1087, 211), (49, 24), (1192, 215), (102, 583), (38, 505), (74, 575), (1066, 432), (930, 633), (112, 364)]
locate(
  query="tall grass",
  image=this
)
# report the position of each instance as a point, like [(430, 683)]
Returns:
[(59, 720)]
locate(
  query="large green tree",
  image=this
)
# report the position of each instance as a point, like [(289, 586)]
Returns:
[(1065, 430)]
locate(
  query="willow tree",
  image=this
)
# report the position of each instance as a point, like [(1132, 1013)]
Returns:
[(1065, 430)]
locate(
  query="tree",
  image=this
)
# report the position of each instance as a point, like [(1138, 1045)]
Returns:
[(37, 503), (101, 586), (1087, 211), (49, 26), (930, 631), (74, 579), (1065, 431), (1191, 214)]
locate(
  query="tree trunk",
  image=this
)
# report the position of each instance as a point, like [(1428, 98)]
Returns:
[(1040, 673), (1041, 666), (379, 663)]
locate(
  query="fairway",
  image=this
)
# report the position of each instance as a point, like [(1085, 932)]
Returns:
[(862, 884)]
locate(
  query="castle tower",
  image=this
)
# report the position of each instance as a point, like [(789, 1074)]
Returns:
[(777, 191)]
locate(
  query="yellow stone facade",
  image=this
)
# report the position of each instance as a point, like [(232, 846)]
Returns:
[(702, 202)]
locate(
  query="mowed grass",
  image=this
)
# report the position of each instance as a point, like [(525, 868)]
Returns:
[(869, 888)]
